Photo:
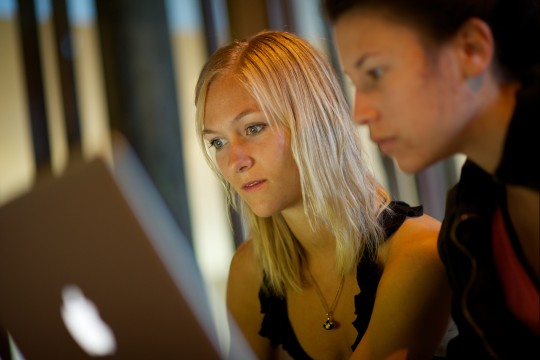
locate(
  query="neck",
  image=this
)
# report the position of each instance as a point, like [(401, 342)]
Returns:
[(318, 243), (485, 139)]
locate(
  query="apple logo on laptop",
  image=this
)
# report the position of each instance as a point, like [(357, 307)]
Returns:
[(82, 319)]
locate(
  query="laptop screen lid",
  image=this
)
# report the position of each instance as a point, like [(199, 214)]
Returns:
[(98, 247)]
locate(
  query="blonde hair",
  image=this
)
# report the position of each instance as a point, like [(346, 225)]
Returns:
[(296, 88)]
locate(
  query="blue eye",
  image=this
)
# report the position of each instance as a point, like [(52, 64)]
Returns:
[(255, 129), (376, 73), (217, 143)]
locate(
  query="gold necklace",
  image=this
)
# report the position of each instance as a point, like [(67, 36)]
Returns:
[(329, 324)]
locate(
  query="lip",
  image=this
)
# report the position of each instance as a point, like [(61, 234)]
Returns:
[(253, 185), (385, 144)]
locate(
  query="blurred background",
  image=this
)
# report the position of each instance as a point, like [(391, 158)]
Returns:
[(73, 71)]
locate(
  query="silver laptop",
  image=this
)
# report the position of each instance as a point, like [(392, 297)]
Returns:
[(92, 264)]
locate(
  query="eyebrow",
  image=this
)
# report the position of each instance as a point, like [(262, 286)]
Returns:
[(238, 117), (360, 62)]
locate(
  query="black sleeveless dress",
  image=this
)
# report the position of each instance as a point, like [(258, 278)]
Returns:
[(276, 325)]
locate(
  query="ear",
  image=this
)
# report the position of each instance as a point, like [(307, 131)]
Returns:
[(475, 46)]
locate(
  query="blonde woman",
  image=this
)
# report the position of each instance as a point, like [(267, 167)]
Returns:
[(332, 269)]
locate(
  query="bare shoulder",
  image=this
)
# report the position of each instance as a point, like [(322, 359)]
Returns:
[(413, 297), (243, 285), (244, 259), (245, 273), (416, 237), (424, 225)]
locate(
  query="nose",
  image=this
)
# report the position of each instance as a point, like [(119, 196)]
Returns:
[(364, 112), (239, 157)]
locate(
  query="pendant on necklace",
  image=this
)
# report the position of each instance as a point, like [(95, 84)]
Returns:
[(329, 324)]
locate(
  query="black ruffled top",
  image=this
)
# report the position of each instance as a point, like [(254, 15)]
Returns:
[(276, 325)]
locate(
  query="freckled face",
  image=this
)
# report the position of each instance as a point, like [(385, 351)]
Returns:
[(413, 104), (254, 158)]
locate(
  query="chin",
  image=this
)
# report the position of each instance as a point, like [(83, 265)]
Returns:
[(263, 212), (410, 166)]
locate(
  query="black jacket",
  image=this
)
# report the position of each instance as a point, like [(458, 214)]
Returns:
[(487, 328)]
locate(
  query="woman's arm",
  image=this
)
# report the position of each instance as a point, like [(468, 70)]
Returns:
[(245, 277), (412, 305)]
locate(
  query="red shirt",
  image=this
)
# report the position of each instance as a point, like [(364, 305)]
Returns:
[(522, 296)]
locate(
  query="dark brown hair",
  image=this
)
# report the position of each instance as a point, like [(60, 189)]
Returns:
[(515, 25)]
